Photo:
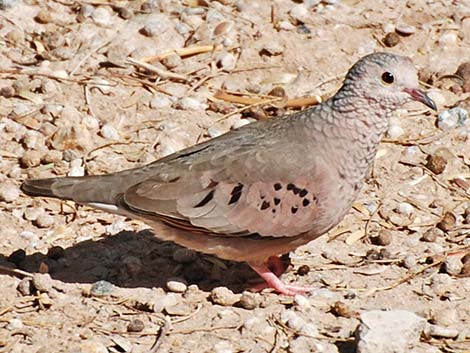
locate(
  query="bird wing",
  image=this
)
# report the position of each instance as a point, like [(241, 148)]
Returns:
[(257, 185)]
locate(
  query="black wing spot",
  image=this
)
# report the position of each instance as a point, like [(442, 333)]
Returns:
[(206, 199), (294, 209), (277, 201), (305, 202), (290, 186), (303, 193), (236, 194), (277, 186), (295, 190), (265, 205)]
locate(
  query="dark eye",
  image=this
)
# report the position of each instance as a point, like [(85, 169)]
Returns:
[(387, 77)]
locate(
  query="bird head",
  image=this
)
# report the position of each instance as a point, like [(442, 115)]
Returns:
[(389, 79)]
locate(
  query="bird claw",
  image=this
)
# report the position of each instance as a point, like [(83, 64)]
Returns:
[(272, 281)]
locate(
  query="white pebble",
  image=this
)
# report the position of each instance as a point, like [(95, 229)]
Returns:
[(9, 192), (291, 319), (189, 103), (394, 131), (285, 25), (454, 117), (404, 208), (14, 324), (405, 29), (76, 171), (228, 61), (223, 347), (302, 302), (182, 28), (215, 131), (176, 285), (310, 329), (102, 15), (239, 123), (90, 122), (109, 132), (44, 220), (300, 13), (448, 39), (437, 97), (160, 102)]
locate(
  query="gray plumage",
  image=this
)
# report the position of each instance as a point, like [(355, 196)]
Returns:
[(268, 187)]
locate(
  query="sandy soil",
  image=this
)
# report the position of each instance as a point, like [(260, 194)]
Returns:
[(71, 102)]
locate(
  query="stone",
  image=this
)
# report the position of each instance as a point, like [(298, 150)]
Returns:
[(389, 331)]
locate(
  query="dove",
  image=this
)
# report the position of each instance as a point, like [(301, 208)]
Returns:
[(266, 188)]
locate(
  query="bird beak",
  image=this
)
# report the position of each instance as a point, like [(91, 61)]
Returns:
[(422, 97)]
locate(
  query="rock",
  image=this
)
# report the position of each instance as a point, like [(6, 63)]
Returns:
[(32, 213), (302, 302), (30, 158), (135, 325), (436, 164), (179, 309), (9, 192), (223, 296), (44, 220), (102, 15), (383, 238), (223, 347), (189, 103), (176, 285), (302, 344), (431, 235), (447, 222), (452, 118), (109, 132), (249, 300), (25, 287), (168, 300), (93, 345), (160, 101), (303, 270), (389, 331), (453, 265), (404, 208), (172, 61), (391, 39), (52, 156), (43, 17), (395, 131), (448, 39), (122, 344), (101, 289), (405, 29), (445, 317), (183, 255), (227, 61), (14, 324), (42, 282), (341, 309)]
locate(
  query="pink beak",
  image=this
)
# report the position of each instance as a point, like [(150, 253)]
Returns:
[(420, 96)]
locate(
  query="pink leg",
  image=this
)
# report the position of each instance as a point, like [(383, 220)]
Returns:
[(276, 265), (272, 281)]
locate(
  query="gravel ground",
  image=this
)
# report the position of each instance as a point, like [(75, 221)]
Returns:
[(95, 86)]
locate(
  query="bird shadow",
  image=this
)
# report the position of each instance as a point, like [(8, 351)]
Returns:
[(134, 259)]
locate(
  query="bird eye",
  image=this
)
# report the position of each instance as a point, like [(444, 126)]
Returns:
[(387, 77)]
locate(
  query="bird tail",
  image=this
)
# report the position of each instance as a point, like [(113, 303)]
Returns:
[(88, 189)]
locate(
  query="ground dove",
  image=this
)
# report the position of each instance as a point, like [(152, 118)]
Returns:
[(266, 188)]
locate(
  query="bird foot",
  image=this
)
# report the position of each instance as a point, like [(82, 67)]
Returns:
[(272, 281)]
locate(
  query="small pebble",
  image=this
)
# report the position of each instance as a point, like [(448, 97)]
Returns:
[(239, 123), (153, 28), (465, 268), (249, 300), (102, 15), (292, 320), (7, 92), (431, 235), (227, 61), (32, 213), (132, 266), (176, 285), (302, 302), (189, 103), (122, 344), (135, 325), (9, 192), (303, 270), (109, 132), (101, 288), (448, 222), (453, 265), (14, 324), (448, 39), (436, 163), (404, 208), (410, 262), (383, 238), (452, 118), (52, 156), (25, 287), (44, 220), (43, 17), (178, 309), (172, 61), (405, 29), (42, 282), (341, 309), (445, 317), (183, 255), (395, 131), (125, 13), (30, 158), (223, 296), (223, 347), (391, 39)]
